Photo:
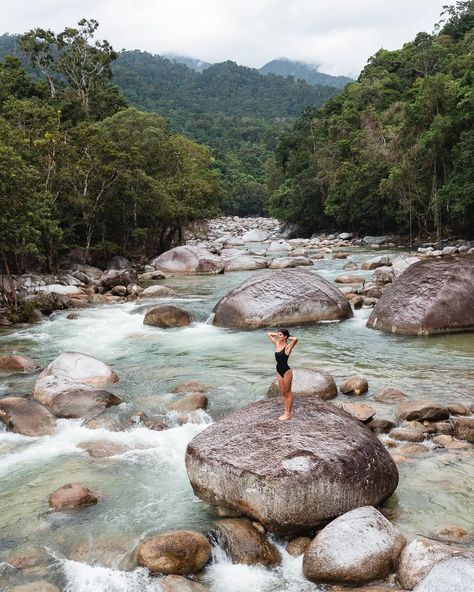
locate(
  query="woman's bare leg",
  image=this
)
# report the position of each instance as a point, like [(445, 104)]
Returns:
[(287, 395)]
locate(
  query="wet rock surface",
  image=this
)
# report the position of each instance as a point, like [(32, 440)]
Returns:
[(451, 574), (308, 381), (81, 368), (167, 316), (27, 417), (244, 543), (180, 552), (72, 495), (286, 297), (292, 475), (188, 259), (16, 363), (430, 297), (417, 559), (358, 547)]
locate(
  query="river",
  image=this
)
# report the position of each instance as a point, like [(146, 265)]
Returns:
[(145, 490)]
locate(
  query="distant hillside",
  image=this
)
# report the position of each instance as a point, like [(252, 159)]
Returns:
[(192, 63), (303, 71)]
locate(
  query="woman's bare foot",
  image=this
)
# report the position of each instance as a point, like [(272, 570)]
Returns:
[(285, 416)]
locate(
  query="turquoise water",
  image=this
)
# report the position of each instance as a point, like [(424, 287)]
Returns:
[(145, 490)]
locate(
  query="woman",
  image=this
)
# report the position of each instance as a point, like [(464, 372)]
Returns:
[(283, 347)]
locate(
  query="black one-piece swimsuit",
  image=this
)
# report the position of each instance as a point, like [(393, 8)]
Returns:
[(281, 358)]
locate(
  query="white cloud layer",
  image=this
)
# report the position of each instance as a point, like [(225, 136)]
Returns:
[(337, 34)]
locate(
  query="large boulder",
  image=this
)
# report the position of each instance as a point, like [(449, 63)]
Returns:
[(358, 547), (245, 543), (452, 574), (166, 316), (308, 381), (286, 297), (430, 297), (27, 417), (16, 363), (157, 292), (180, 552), (245, 262), (189, 260), (286, 262), (417, 559), (118, 277), (81, 368), (290, 475)]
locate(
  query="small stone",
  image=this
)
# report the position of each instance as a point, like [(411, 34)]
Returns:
[(157, 292), (166, 316), (298, 546), (464, 428), (72, 495), (36, 586), (103, 448), (180, 584), (192, 402), (453, 534), (356, 385), (445, 441), (413, 449), (191, 387), (360, 411), (381, 425), (458, 409), (421, 410), (389, 394), (244, 543), (179, 552), (443, 427), (16, 363), (349, 279), (408, 434)]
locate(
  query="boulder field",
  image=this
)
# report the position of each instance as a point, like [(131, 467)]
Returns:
[(283, 297), (290, 475), (430, 297)]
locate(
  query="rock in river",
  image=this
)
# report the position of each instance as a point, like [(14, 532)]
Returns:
[(430, 297), (283, 297), (290, 475), (15, 363), (72, 495), (25, 416), (358, 547), (180, 552), (80, 368), (166, 316), (189, 260), (418, 558), (452, 574), (308, 381)]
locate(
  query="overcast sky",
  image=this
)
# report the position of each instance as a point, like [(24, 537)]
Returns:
[(337, 34)]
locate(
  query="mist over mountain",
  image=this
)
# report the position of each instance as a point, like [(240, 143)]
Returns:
[(193, 63), (303, 71)]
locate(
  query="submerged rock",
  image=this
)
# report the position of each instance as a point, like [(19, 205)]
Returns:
[(390, 395), (166, 316), (192, 402), (16, 363), (290, 475), (430, 297), (74, 403), (179, 552), (244, 543), (356, 548), (157, 292), (285, 297), (189, 260), (191, 386), (27, 417), (355, 385), (308, 381), (421, 410), (72, 495), (180, 584)]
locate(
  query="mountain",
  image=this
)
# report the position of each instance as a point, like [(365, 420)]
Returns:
[(303, 71), (193, 63)]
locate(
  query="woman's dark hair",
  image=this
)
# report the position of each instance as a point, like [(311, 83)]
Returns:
[(284, 332)]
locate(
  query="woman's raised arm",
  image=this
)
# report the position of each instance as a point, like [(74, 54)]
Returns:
[(271, 337), (292, 341)]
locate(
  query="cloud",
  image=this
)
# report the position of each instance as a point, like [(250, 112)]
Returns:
[(340, 35)]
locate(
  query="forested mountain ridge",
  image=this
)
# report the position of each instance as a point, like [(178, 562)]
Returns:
[(303, 71), (394, 150), (236, 111), (233, 109)]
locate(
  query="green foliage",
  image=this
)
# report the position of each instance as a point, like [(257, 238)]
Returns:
[(79, 169), (391, 151), (236, 111)]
